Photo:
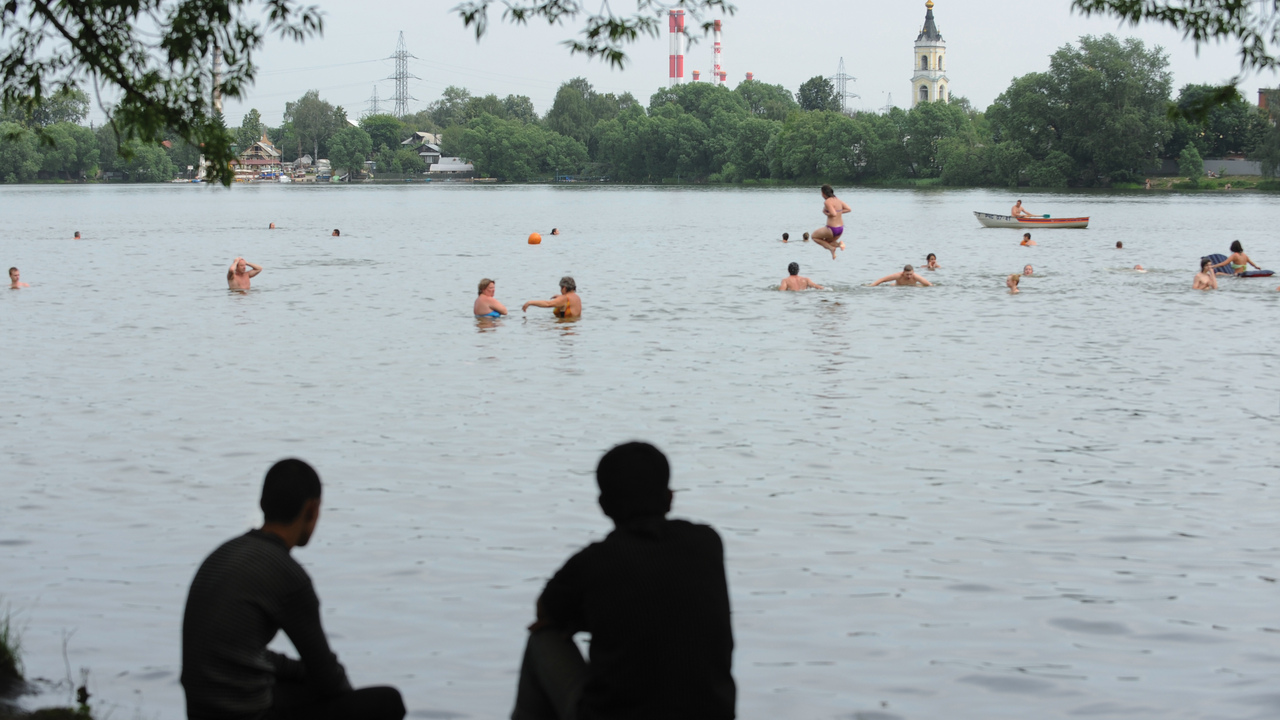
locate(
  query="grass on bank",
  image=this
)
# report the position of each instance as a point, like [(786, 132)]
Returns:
[(10, 652)]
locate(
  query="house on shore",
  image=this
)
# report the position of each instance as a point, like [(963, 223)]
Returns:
[(259, 161)]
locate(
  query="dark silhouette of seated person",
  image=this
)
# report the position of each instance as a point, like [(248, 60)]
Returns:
[(654, 597), (243, 594)]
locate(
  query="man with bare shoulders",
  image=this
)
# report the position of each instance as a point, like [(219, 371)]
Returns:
[(796, 281), (828, 236), (1205, 279), (906, 278), (240, 272), (1020, 212), (15, 279), (486, 305), (566, 306)]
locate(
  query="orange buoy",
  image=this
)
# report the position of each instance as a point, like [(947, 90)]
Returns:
[(535, 239)]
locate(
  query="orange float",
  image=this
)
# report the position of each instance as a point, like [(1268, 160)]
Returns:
[(535, 239)]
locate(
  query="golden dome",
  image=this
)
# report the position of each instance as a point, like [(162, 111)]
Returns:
[(929, 4)]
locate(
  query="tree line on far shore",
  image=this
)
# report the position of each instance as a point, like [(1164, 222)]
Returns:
[(1101, 114)]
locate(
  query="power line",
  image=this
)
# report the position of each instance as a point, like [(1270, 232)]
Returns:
[(842, 80), (401, 76)]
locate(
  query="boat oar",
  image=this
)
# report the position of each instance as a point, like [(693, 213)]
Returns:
[(1046, 217)]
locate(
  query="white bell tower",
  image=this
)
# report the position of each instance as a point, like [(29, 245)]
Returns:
[(930, 83)]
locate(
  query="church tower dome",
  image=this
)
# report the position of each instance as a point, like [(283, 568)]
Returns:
[(930, 83)]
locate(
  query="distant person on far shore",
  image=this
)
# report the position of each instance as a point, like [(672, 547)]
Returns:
[(1020, 212), (906, 278), (1148, 183), (786, 237), (15, 279), (1028, 270), (486, 305), (240, 272), (1206, 279), (1011, 282), (931, 262), (77, 235), (654, 596), (566, 306), (243, 595), (828, 236), (337, 232), (1119, 244), (796, 281), (1026, 240)]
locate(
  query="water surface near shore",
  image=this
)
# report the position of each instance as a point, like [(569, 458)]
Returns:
[(943, 502)]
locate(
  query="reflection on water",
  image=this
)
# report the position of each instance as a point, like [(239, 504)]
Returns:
[(935, 502)]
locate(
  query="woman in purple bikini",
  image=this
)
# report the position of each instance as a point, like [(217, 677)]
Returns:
[(828, 236)]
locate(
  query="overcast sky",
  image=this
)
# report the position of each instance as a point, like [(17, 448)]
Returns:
[(989, 42)]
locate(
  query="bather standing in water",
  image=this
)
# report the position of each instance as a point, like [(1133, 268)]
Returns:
[(1205, 279), (486, 305), (1011, 282), (566, 306), (15, 279), (906, 278), (796, 281), (240, 272)]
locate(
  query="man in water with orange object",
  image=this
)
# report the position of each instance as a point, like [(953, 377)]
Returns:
[(828, 236), (906, 278), (238, 276), (15, 279), (1026, 240), (486, 305), (567, 305), (796, 281)]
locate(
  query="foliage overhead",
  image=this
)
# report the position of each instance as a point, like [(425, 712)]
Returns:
[(151, 58), (605, 33)]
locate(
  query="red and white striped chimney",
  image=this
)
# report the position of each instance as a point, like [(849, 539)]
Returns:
[(696, 73), (717, 72), (675, 28), (751, 76)]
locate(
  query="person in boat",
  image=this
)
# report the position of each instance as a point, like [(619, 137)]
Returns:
[(931, 262), (486, 305), (796, 281), (244, 593), (240, 272), (1028, 270), (828, 236), (1026, 240), (906, 278), (1206, 279), (1020, 212), (1011, 282), (15, 279), (654, 596), (566, 306), (1238, 261)]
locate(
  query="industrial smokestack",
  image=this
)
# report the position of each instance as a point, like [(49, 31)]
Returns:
[(751, 76), (695, 75), (675, 29), (717, 72)]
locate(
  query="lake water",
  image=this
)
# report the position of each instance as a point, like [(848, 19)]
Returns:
[(942, 502)]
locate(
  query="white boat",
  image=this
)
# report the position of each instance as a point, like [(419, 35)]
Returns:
[(1008, 221)]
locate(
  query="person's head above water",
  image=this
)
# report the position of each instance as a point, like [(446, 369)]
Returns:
[(908, 269), (568, 285), (633, 479), (1236, 246), (271, 226), (13, 273), (1026, 236), (291, 495), (1205, 263), (827, 191), (1119, 244), (785, 237), (337, 232), (77, 235), (1028, 270), (930, 257), (485, 284), (555, 231), (794, 268)]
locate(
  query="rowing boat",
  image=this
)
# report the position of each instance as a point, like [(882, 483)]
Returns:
[(1008, 221)]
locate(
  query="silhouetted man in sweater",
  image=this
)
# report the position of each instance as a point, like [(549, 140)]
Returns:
[(243, 594)]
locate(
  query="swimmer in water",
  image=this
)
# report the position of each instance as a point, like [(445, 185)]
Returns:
[(931, 262), (796, 281), (1238, 261), (555, 231), (77, 237), (828, 236), (1020, 212), (1026, 240), (1028, 270), (1205, 279), (240, 272), (1139, 268), (806, 237), (15, 279), (566, 305), (1011, 282), (1119, 244), (786, 237), (906, 278), (337, 233), (271, 226), (486, 305)]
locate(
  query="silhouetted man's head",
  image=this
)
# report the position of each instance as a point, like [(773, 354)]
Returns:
[(289, 486), (633, 482)]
